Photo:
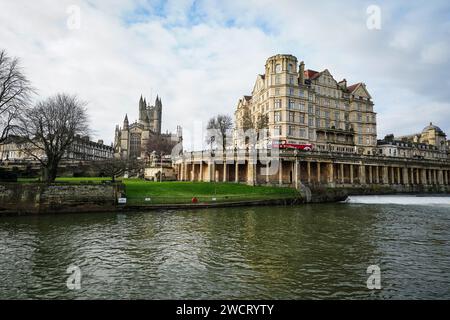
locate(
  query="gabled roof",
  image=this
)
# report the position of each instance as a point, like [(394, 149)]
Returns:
[(311, 74), (353, 87)]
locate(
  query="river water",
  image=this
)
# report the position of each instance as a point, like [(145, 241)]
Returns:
[(302, 252)]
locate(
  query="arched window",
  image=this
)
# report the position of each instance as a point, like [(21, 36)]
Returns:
[(135, 145)]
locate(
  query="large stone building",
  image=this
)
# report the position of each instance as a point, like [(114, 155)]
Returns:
[(82, 149), (131, 140), (306, 106)]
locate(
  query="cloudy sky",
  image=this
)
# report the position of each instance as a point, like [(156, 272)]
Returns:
[(201, 56)]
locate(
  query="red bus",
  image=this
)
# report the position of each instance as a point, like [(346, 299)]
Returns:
[(284, 145)]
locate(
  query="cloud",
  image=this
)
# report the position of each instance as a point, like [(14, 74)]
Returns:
[(202, 56)]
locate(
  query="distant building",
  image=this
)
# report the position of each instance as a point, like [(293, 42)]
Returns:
[(431, 143), (131, 140), (306, 106), (82, 149)]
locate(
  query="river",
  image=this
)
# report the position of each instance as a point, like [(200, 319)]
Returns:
[(303, 252)]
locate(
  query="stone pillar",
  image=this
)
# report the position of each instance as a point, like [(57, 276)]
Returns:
[(267, 172), (331, 173), (440, 177), (391, 169), (377, 175), (185, 171), (418, 176), (297, 175), (182, 171), (399, 176), (201, 171), (362, 174), (424, 177), (435, 180), (308, 164), (236, 172), (211, 171), (318, 171), (370, 175), (351, 174), (251, 168), (385, 175), (225, 171), (405, 176), (280, 173), (341, 173), (412, 176)]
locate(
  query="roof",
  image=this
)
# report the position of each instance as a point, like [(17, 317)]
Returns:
[(432, 127), (311, 74), (353, 87)]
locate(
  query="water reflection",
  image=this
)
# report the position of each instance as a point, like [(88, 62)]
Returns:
[(310, 251)]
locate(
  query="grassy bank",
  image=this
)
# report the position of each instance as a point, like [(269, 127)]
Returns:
[(142, 192)]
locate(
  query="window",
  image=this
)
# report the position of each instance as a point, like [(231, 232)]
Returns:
[(277, 116), (291, 67), (302, 133), (291, 91), (301, 93), (327, 114), (277, 91), (317, 112), (277, 80), (318, 123), (291, 116), (277, 103), (278, 68), (302, 118), (135, 145), (337, 116), (359, 117), (291, 104), (311, 122), (291, 131), (310, 108), (277, 131), (291, 80)]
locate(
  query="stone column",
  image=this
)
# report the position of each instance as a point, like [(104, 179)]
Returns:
[(362, 174), (424, 177), (251, 170), (370, 175), (385, 175), (405, 176), (280, 173), (308, 164), (435, 180), (297, 176), (318, 171), (331, 173), (225, 171), (440, 177), (351, 174), (391, 169), (377, 175), (412, 176), (342, 173), (201, 171), (236, 172)]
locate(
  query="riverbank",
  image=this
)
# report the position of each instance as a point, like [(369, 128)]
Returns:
[(77, 196), (85, 195)]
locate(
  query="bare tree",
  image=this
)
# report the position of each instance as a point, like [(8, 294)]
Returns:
[(113, 167), (15, 92), (50, 128), (159, 144), (247, 122), (220, 125)]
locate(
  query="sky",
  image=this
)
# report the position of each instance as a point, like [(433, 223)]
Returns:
[(200, 57)]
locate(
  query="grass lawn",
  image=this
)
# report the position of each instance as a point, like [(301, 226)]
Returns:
[(183, 192), (141, 192)]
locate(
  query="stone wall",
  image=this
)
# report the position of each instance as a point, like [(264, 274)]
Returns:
[(64, 198)]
